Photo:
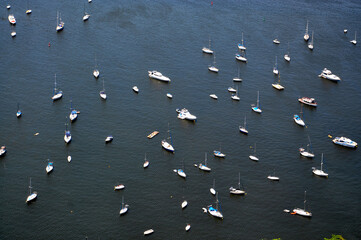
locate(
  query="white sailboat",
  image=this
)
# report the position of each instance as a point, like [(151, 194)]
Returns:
[(59, 22), (302, 212), (276, 41), (235, 96), (298, 119), (67, 135), (213, 188), (254, 156), (219, 153), (278, 85), (354, 41), (241, 45), (188, 227), (307, 152), (257, 108), (287, 56), (213, 96), (86, 15), (215, 212), (49, 167), (124, 208), (310, 45), (204, 166), (213, 68), (184, 204), (28, 11), (165, 142), (241, 57), (306, 36), (96, 71), (73, 113), (320, 172), (273, 177), (32, 195), (243, 128), (275, 68), (56, 93), (148, 232), (237, 191), (208, 49), (146, 162), (238, 78), (19, 113), (102, 93)]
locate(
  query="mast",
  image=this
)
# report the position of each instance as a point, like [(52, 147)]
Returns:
[(257, 99), (321, 161), (306, 28), (309, 145), (30, 187), (205, 159), (245, 122), (239, 180), (242, 38), (255, 148), (209, 43), (304, 203), (54, 91)]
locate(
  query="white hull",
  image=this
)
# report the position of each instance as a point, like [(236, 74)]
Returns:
[(276, 41), (146, 164), (158, 76), (109, 139), (310, 46), (241, 58), (235, 97), (254, 158), (278, 86), (232, 90), (204, 167), (181, 173), (124, 210), (299, 121), (136, 89), (219, 154), (307, 154), (119, 187), (149, 231), (287, 58), (167, 146), (103, 95), (256, 109), (354, 42), (237, 79), (235, 191), (69, 158), (86, 17), (67, 139), (184, 204), (31, 197), (320, 173), (302, 212), (243, 130), (213, 69), (306, 37), (345, 142), (215, 213), (49, 168), (188, 227), (213, 96), (207, 50), (273, 178), (28, 11), (169, 95), (57, 96), (275, 71), (96, 73), (213, 191), (13, 34), (12, 19), (73, 116)]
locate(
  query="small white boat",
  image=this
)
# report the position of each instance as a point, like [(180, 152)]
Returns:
[(327, 74), (213, 189), (86, 15), (343, 141), (12, 19), (213, 68), (184, 204), (238, 190), (320, 172), (148, 232), (254, 157), (298, 120), (32, 195), (184, 114), (181, 173), (169, 95), (241, 45), (67, 135), (158, 76), (119, 187), (13, 34), (89, 1), (219, 154), (166, 145), (302, 212), (59, 23), (275, 68), (306, 36), (235, 96), (29, 11), (214, 96), (188, 227), (345, 31), (136, 89), (241, 57), (232, 90), (208, 49), (69, 158), (3, 151), (273, 177), (243, 129), (307, 152), (124, 208), (49, 167), (256, 108), (108, 139), (215, 212), (278, 85), (96, 71), (276, 41), (308, 101), (354, 41), (146, 162), (102, 93), (56, 93), (18, 112), (204, 166), (238, 78), (287, 56), (73, 113), (310, 45), (8, 6)]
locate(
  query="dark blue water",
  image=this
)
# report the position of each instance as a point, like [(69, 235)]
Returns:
[(129, 38)]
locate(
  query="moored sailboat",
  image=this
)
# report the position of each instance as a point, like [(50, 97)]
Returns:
[(320, 172), (302, 212), (32, 195)]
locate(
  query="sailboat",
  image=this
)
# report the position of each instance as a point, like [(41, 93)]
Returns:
[(204, 166), (28, 11), (237, 191), (306, 36), (273, 177), (219, 153), (241, 57), (298, 119), (303, 212), (86, 15), (310, 45), (73, 113), (166, 145), (320, 172), (241, 45), (243, 129), (96, 71), (146, 162), (254, 157), (32, 195), (208, 49), (215, 212), (59, 22), (256, 108), (49, 168), (307, 152), (56, 93), (277, 85), (238, 78), (124, 208), (184, 204), (275, 68), (213, 189), (235, 96), (354, 42), (213, 68), (102, 93), (18, 113), (67, 136), (181, 172), (287, 55)]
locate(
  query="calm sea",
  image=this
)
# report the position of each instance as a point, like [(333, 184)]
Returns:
[(128, 38)]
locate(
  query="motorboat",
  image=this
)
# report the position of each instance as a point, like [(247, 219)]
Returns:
[(148, 232), (214, 96), (219, 154), (306, 36), (108, 139), (181, 173), (49, 167), (256, 108), (136, 89), (184, 204), (298, 120), (32, 195), (320, 172), (275, 68), (204, 166), (3, 151), (13, 34), (170, 96), (215, 212), (59, 23), (241, 57), (12, 19), (343, 141), (354, 41), (188, 227), (124, 208), (243, 129), (96, 73), (238, 190), (185, 114), (208, 49), (232, 90), (119, 187), (241, 45), (327, 74), (153, 134), (56, 93), (306, 153), (276, 41), (302, 212), (158, 76), (146, 162), (308, 101)]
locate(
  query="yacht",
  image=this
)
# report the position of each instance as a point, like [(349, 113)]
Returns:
[(214, 96), (49, 167), (108, 139), (237, 191), (276, 41), (320, 172), (32, 195), (119, 187), (12, 19), (308, 101), (185, 114), (159, 76), (243, 129), (298, 120), (241, 57), (204, 166), (3, 151), (326, 73), (343, 141)]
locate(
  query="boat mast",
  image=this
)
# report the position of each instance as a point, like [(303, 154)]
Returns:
[(30, 187), (309, 146), (304, 203), (205, 159), (306, 28), (255, 149), (245, 122), (54, 91), (257, 99), (321, 161), (239, 180)]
